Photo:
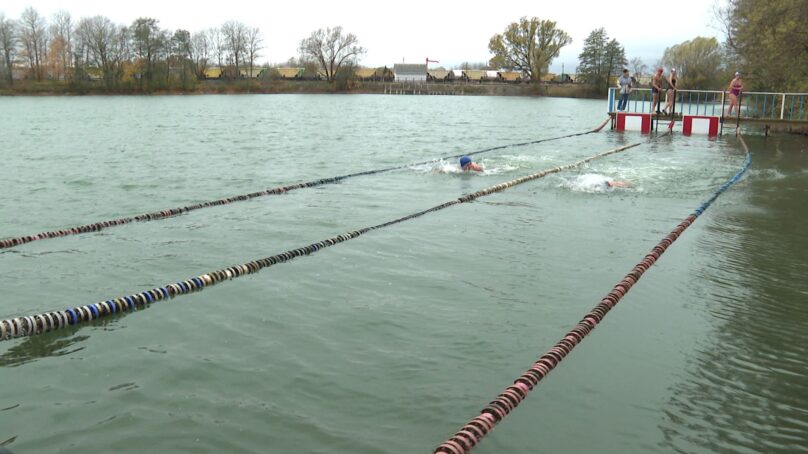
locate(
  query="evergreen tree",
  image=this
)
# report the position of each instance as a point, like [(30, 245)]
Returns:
[(600, 59), (615, 60)]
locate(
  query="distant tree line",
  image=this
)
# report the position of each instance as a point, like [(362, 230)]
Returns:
[(766, 40), (144, 56), (701, 64), (531, 44)]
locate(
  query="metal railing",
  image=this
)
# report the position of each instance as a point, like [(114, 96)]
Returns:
[(754, 105)]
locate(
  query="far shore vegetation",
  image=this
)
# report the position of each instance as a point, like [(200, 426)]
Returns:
[(269, 86), (765, 41)]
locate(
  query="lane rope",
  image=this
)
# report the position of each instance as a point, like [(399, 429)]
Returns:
[(162, 214), (472, 433), (50, 321)]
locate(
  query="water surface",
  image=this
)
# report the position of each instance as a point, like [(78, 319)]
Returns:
[(390, 342)]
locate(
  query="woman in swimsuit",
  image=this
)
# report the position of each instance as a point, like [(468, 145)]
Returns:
[(670, 92), (735, 88)]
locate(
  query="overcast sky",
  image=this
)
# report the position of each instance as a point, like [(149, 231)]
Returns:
[(410, 31)]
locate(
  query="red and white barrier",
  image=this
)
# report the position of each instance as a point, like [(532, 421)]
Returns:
[(634, 122), (700, 124)]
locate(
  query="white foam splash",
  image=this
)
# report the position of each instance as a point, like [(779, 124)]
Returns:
[(590, 182)]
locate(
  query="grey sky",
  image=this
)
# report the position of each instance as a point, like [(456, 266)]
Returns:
[(392, 32)]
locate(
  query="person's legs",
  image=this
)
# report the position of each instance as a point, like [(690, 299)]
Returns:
[(668, 101)]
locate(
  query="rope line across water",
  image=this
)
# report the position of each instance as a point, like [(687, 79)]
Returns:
[(98, 226), (50, 321), (469, 435)]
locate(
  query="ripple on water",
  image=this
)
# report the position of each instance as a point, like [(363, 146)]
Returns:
[(391, 341)]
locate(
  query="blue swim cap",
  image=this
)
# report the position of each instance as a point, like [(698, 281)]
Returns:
[(464, 161)]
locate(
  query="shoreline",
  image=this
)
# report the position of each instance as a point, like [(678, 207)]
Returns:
[(214, 87)]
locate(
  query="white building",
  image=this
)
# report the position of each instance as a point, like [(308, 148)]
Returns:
[(410, 72)]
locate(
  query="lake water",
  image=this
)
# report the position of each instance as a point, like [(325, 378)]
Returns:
[(389, 343)]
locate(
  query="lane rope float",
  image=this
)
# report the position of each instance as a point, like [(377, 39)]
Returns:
[(472, 433), (50, 321), (162, 214)]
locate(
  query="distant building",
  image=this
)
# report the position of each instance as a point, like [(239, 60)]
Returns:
[(491, 75), (213, 72), (438, 74), (476, 75), (563, 79), (457, 74), (410, 72), (365, 73), (510, 76), (19, 72), (250, 73), (290, 73)]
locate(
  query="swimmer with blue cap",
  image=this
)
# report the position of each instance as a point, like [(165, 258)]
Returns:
[(466, 164)]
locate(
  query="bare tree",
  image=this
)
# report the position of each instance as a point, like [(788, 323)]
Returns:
[(8, 44), (332, 49), (217, 45), (200, 53), (530, 45), (639, 68), (61, 45), (235, 37), (182, 54), (147, 43), (104, 45), (122, 50), (723, 16), (254, 41), (34, 39)]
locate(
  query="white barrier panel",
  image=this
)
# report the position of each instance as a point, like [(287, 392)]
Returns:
[(634, 122), (697, 124)]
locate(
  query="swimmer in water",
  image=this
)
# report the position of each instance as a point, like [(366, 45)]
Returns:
[(466, 164), (594, 182)]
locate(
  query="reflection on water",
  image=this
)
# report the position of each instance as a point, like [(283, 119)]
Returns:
[(57, 343), (53, 344), (389, 343), (746, 388)]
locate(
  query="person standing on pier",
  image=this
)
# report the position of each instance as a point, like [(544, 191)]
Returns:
[(735, 88), (656, 88), (671, 92), (624, 83)]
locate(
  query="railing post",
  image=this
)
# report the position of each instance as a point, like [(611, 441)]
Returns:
[(611, 99), (766, 106), (783, 107), (690, 102)]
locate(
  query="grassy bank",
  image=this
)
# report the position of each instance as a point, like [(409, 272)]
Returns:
[(52, 88)]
